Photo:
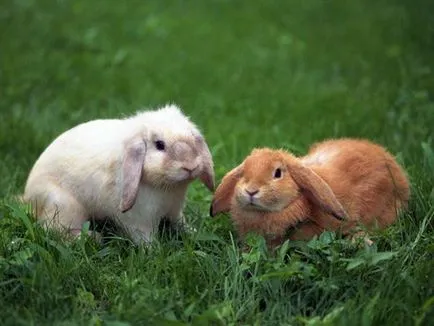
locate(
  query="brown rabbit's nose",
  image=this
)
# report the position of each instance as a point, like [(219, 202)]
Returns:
[(252, 193)]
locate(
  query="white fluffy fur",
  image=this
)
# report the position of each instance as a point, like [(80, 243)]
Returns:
[(79, 175)]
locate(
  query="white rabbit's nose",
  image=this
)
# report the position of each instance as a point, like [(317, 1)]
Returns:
[(190, 169)]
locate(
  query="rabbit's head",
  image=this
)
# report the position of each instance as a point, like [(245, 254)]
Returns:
[(168, 151), (270, 180), (175, 150), (266, 183)]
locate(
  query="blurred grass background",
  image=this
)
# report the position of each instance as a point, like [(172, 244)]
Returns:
[(249, 73)]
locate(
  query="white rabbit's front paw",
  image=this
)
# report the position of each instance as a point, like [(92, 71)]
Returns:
[(189, 228)]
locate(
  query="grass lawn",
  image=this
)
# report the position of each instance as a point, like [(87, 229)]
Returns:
[(249, 73)]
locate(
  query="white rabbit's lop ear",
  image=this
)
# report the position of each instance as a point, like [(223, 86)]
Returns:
[(132, 167), (207, 173)]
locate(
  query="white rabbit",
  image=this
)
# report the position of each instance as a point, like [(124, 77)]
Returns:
[(134, 170)]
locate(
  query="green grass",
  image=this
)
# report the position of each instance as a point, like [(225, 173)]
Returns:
[(249, 73)]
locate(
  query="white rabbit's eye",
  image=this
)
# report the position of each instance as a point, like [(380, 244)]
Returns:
[(160, 145), (278, 173)]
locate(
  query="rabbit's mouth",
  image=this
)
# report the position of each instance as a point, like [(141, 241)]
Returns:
[(256, 207), (253, 204)]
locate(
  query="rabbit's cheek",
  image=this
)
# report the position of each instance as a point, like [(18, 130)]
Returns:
[(242, 198), (275, 201)]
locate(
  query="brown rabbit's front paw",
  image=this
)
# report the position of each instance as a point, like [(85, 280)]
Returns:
[(361, 236), (275, 241)]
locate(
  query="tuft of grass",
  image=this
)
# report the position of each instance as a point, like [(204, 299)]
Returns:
[(249, 73)]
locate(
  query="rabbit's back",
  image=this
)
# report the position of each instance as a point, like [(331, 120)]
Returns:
[(365, 178), (82, 160)]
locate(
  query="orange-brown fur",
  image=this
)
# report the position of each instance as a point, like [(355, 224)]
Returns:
[(271, 225), (368, 187), (367, 180)]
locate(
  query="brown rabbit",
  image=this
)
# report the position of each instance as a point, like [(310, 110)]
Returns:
[(337, 185)]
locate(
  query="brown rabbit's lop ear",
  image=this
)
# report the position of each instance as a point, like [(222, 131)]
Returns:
[(132, 167), (221, 202), (317, 190)]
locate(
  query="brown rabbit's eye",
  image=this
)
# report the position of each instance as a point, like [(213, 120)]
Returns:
[(278, 173), (160, 145)]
